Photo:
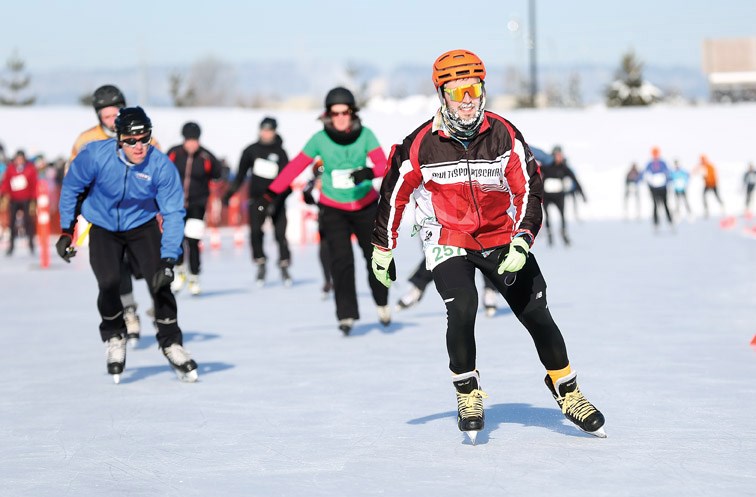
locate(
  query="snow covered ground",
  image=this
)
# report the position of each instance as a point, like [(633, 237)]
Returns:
[(657, 326)]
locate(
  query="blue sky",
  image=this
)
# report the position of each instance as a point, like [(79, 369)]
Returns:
[(386, 33)]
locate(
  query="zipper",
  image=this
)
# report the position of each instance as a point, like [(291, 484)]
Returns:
[(472, 191), (123, 195)]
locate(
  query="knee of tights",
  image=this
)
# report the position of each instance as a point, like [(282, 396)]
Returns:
[(461, 304)]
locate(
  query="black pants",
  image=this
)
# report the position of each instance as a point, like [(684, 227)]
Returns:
[(324, 255), (556, 199), (455, 281), (422, 276), (749, 193), (142, 244), (338, 226), (257, 219), (681, 198), (659, 198), (715, 191), (23, 207), (191, 245)]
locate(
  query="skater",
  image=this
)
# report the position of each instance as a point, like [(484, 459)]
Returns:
[(710, 183), (129, 183), (680, 178), (554, 178), (632, 189), (263, 160), (107, 100), (310, 195), (420, 279), (749, 182), (197, 167), (478, 195), (347, 200), (19, 186), (657, 177)]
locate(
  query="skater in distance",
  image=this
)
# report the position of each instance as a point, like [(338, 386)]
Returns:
[(129, 183), (478, 194)]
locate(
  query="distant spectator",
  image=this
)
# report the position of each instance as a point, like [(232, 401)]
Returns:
[(680, 178), (749, 182), (710, 183), (657, 176), (632, 189), (19, 184)]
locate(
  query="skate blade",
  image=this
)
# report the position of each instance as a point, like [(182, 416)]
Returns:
[(116, 378), (490, 312), (600, 433), (288, 283), (260, 283), (472, 435), (132, 342), (190, 377)]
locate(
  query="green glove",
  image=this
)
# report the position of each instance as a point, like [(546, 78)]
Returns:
[(383, 266), (516, 257)]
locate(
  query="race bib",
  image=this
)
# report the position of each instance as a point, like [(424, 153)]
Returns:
[(436, 254), (18, 183), (265, 168), (657, 180), (194, 228), (342, 179), (553, 185)]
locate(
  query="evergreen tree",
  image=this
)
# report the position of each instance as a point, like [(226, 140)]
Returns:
[(628, 87), (16, 82)]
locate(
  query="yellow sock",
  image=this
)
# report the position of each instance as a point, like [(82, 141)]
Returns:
[(559, 373)]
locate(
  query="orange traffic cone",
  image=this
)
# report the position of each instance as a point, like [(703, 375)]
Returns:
[(753, 341)]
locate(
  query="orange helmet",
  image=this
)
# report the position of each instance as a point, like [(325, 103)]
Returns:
[(457, 64)]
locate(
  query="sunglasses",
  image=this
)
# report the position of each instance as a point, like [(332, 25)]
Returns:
[(457, 94), (132, 142), (347, 112)]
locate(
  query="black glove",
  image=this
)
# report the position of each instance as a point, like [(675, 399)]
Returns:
[(262, 202), (361, 175), (164, 275), (63, 246)]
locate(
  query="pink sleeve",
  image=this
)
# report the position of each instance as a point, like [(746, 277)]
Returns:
[(379, 160), (290, 172)]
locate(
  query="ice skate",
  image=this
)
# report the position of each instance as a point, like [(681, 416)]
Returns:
[(412, 297), (285, 276), (133, 325), (178, 280), (194, 286), (116, 356), (260, 277), (346, 325), (470, 416), (489, 301), (565, 238), (575, 406), (384, 314), (181, 362)]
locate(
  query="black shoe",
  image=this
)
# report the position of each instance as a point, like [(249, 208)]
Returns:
[(470, 415), (575, 406)]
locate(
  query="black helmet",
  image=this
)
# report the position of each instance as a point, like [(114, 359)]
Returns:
[(132, 121), (191, 131), (269, 123), (340, 95), (107, 96)]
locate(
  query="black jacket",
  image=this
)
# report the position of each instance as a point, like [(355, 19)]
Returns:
[(263, 161), (195, 171)]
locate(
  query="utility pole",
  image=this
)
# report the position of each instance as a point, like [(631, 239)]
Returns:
[(533, 54)]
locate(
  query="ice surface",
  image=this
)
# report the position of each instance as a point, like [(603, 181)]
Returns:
[(657, 326)]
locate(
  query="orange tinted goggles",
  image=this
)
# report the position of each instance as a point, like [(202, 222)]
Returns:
[(457, 94)]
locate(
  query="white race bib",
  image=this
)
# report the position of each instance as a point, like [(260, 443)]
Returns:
[(18, 183), (657, 180), (553, 185), (436, 254), (342, 178), (265, 168), (194, 228)]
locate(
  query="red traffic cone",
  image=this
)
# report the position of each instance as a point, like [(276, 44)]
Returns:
[(753, 342)]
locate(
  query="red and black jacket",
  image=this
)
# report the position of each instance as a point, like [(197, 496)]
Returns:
[(476, 196), (195, 171)]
